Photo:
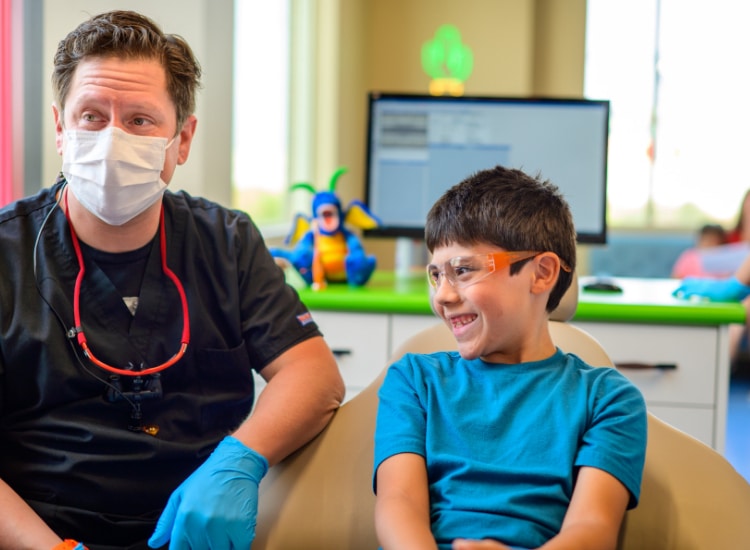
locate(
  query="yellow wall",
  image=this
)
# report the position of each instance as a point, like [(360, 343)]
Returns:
[(521, 48), (500, 34)]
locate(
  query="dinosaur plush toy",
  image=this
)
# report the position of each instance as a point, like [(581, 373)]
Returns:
[(325, 251)]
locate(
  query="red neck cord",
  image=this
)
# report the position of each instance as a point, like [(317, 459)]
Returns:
[(81, 336)]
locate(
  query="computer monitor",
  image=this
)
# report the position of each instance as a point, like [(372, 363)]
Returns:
[(419, 146)]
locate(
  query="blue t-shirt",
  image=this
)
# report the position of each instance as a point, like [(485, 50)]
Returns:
[(503, 443)]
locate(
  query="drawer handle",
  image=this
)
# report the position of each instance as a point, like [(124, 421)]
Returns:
[(339, 352), (647, 366)]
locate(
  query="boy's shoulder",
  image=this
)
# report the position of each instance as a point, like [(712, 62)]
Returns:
[(430, 359), (413, 365)]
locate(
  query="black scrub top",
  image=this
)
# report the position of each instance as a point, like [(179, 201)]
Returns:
[(64, 432)]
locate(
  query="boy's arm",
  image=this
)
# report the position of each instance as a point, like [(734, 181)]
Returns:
[(595, 513), (402, 507), (592, 521)]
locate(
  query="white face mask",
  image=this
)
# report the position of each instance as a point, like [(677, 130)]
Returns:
[(113, 174)]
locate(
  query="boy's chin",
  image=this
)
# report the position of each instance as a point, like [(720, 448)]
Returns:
[(468, 352)]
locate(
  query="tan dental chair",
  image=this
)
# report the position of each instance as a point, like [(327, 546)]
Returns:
[(321, 497)]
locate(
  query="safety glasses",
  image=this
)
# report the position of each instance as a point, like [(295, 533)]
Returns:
[(463, 271)]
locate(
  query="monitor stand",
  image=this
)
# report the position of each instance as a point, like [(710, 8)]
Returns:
[(411, 257)]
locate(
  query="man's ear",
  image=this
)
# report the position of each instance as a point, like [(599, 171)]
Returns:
[(57, 114), (187, 132), (547, 269)]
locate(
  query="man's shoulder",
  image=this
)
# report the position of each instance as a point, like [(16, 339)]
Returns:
[(201, 208), (22, 208), (221, 229)]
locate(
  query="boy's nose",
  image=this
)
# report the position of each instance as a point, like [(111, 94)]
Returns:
[(445, 291)]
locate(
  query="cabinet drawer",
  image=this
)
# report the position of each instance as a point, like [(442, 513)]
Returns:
[(698, 422), (360, 343), (687, 356)]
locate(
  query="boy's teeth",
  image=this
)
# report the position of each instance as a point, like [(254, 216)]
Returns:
[(461, 321)]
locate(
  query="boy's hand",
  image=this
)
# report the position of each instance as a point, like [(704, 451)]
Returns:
[(468, 544)]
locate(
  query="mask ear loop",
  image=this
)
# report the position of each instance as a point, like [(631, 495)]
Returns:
[(39, 234)]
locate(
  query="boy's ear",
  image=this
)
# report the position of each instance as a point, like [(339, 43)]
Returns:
[(546, 272)]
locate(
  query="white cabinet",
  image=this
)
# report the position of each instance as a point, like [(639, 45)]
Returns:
[(682, 371), (360, 343), (363, 342)]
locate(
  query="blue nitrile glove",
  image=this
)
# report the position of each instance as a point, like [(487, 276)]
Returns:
[(717, 290), (216, 507)]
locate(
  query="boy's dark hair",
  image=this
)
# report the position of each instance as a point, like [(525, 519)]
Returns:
[(129, 35), (509, 209)]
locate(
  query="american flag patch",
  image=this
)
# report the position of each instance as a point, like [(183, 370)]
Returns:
[(305, 318)]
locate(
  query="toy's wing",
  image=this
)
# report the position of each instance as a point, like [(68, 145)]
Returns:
[(300, 226), (358, 215)]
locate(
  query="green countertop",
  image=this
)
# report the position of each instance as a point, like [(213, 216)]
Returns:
[(651, 301), (642, 301)]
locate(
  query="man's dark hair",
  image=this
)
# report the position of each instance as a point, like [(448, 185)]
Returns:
[(129, 35)]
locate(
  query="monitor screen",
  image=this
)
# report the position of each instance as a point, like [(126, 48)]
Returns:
[(419, 146)]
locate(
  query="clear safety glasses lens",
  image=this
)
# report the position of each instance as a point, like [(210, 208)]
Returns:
[(463, 271)]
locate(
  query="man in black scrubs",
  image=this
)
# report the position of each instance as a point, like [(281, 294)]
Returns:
[(132, 318)]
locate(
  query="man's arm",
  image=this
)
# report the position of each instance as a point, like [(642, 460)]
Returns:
[(216, 507), (402, 507), (303, 391), (20, 527)]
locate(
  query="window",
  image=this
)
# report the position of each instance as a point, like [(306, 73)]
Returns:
[(272, 134), (261, 113), (674, 72)]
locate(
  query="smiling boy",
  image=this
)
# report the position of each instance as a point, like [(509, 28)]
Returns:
[(509, 442)]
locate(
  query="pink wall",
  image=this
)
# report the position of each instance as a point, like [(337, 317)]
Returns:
[(6, 118)]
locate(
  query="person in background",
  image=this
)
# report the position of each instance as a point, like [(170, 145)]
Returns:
[(132, 318), (710, 235), (509, 442), (697, 284), (689, 262), (732, 288)]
